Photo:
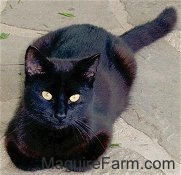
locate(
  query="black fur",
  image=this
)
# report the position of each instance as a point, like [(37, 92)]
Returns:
[(85, 60), (148, 33)]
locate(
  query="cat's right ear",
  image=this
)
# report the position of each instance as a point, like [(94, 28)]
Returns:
[(35, 62), (88, 66)]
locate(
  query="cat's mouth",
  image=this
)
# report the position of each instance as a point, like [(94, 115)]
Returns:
[(78, 129)]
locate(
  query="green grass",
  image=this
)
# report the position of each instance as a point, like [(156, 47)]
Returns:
[(66, 14), (115, 145), (4, 35)]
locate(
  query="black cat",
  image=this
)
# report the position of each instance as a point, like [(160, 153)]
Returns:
[(77, 84)]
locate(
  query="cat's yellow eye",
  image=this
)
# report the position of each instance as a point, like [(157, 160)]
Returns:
[(46, 95), (74, 98)]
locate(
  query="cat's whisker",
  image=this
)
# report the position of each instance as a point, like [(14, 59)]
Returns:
[(74, 131), (90, 129), (86, 132), (82, 133)]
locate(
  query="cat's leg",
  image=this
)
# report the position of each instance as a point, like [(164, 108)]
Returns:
[(97, 146), (21, 161), (94, 150)]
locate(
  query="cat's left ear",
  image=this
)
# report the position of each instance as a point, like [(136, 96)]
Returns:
[(35, 62), (88, 66)]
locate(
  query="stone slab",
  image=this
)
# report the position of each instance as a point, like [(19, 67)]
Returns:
[(141, 11), (43, 15), (155, 96)]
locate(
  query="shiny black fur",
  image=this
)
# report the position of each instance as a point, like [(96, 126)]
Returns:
[(81, 59)]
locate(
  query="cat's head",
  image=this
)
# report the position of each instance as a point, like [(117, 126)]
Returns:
[(58, 92)]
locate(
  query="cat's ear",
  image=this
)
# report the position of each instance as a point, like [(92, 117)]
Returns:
[(35, 62), (88, 66)]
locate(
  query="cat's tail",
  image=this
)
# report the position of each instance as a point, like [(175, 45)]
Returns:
[(145, 34)]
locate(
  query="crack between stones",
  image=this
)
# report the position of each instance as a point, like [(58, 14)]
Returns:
[(25, 28), (127, 26), (151, 140)]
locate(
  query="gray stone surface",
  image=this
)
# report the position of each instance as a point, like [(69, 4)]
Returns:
[(12, 77), (16, 45), (155, 104), (93, 12), (150, 128), (140, 11)]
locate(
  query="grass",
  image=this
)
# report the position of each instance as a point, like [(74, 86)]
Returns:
[(4, 35), (66, 14), (115, 145)]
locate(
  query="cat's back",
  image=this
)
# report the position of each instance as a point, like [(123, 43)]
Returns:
[(75, 41)]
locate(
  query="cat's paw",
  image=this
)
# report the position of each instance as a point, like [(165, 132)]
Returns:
[(21, 161)]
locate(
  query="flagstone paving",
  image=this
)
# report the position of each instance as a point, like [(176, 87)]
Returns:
[(150, 128)]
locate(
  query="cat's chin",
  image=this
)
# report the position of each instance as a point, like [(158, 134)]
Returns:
[(56, 126)]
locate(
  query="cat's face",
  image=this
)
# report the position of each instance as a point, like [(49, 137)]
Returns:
[(58, 92)]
